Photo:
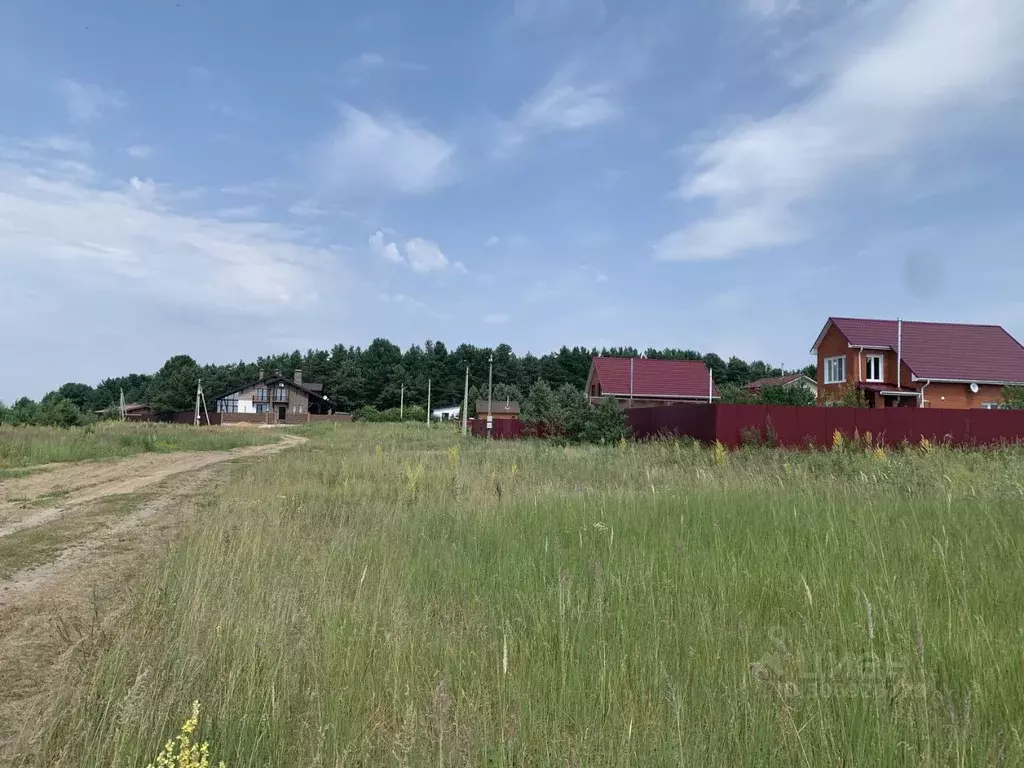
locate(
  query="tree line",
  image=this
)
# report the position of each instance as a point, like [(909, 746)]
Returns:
[(374, 376)]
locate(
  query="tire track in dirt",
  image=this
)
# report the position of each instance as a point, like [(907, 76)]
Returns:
[(89, 481)]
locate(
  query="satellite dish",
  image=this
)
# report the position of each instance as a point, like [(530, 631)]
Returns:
[(975, 388)]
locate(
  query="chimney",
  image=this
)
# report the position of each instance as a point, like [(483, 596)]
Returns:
[(298, 377), (262, 376)]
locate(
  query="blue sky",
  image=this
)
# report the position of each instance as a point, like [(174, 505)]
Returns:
[(233, 179)]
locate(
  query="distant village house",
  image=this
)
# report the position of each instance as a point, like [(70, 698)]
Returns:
[(917, 365), (274, 400), (642, 383)]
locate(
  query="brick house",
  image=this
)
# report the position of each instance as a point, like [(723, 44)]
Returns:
[(911, 364), (642, 383), (274, 400)]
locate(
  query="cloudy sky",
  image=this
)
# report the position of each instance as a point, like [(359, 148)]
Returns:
[(232, 179)]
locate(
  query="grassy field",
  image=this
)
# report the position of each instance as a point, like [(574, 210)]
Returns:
[(388, 596), (22, 447)]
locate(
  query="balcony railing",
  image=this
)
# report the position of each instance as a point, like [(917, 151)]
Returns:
[(275, 396)]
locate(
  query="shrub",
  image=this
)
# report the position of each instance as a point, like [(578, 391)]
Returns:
[(1013, 398), (607, 423), (750, 437)]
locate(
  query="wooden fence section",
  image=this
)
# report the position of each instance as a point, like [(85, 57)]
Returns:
[(798, 427)]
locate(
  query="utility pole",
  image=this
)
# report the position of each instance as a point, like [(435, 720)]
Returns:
[(401, 408), (428, 402), (465, 406), (490, 392), (201, 398)]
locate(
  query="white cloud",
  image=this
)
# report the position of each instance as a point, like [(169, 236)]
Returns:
[(85, 102), (265, 188), (95, 233), (306, 208), (388, 153), (402, 300), (240, 212), (496, 318), (417, 253), (425, 255), (562, 105), (385, 248), (890, 100), (492, 241), (772, 8), (139, 151), (70, 145)]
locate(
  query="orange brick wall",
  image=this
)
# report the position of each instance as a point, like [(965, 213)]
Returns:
[(835, 345), (960, 397)]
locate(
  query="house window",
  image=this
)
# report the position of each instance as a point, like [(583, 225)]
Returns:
[(992, 406), (874, 368), (262, 407), (593, 390), (281, 396), (835, 370), (599, 390), (261, 395), (227, 405)]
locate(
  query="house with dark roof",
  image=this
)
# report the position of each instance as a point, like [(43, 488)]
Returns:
[(913, 364), (274, 400), (639, 382), (792, 380), (498, 409)]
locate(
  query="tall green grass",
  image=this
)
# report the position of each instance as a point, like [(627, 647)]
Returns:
[(32, 446), (384, 596)]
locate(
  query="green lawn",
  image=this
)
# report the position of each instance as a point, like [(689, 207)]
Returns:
[(389, 596)]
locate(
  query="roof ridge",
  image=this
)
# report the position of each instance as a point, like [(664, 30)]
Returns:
[(920, 322)]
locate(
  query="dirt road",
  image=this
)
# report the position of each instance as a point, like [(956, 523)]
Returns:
[(83, 529), (47, 494)]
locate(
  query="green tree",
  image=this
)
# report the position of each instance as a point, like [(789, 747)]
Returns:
[(82, 395), (786, 396), (1013, 398), (174, 386), (61, 413), (540, 406), (607, 423), (5, 413), (25, 412), (734, 393), (574, 411)]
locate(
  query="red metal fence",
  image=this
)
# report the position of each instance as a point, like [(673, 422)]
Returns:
[(792, 426), (502, 429)]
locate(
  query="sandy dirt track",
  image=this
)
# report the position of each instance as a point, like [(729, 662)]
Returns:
[(48, 609), (45, 495)]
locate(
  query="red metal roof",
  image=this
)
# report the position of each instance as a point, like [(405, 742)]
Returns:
[(653, 378), (943, 351)]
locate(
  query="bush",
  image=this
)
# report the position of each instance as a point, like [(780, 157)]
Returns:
[(414, 413), (787, 396), (1013, 398), (61, 413), (607, 423)]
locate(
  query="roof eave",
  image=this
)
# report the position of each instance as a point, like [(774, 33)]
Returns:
[(643, 396), (993, 383)]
